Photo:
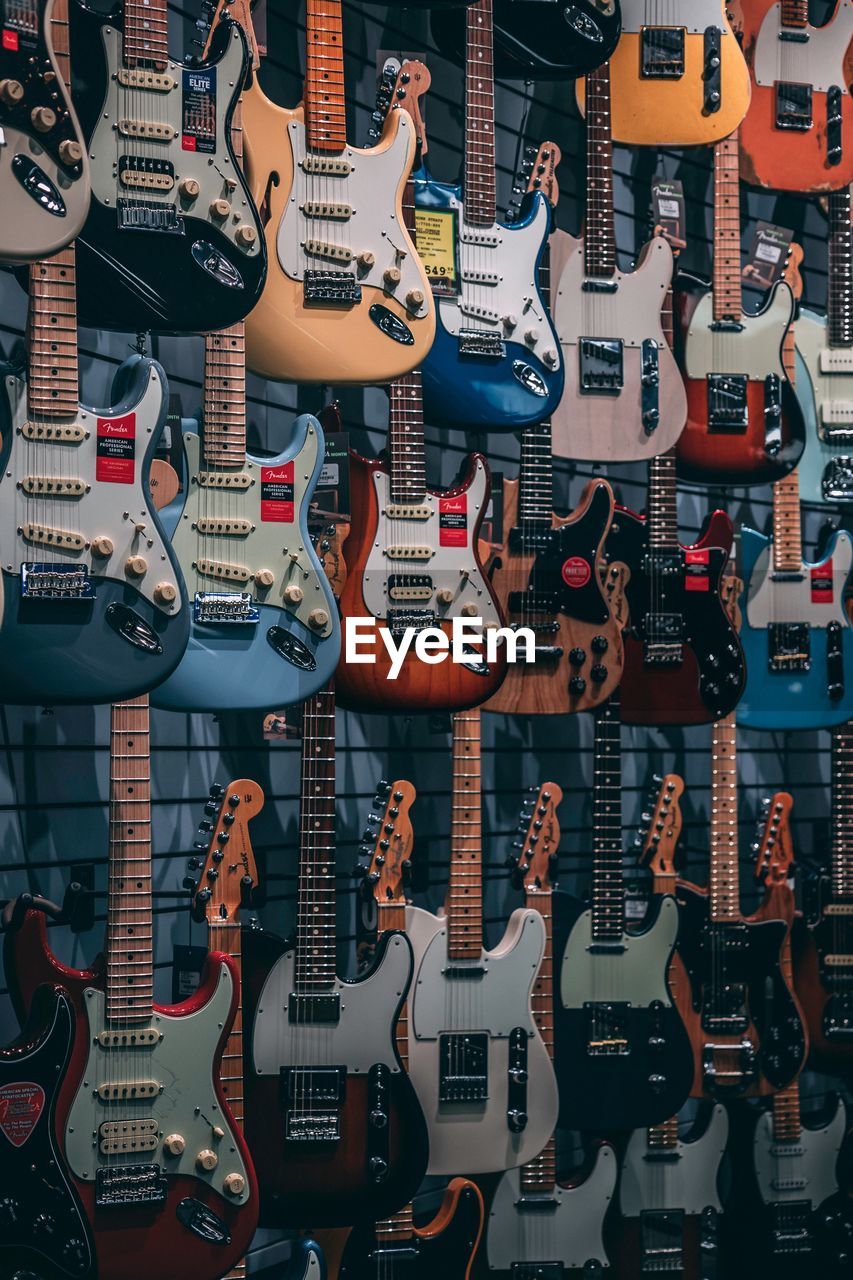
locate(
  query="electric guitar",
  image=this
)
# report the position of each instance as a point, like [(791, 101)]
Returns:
[(624, 398), (44, 168), (172, 241), (333, 1122), (539, 40), (676, 83), (621, 1051), (158, 1161), (93, 605), (798, 132), (476, 1055), (412, 553), (495, 364), (744, 422), (534, 1219)]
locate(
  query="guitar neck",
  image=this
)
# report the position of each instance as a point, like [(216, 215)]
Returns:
[(465, 893), (316, 929), (479, 188), (608, 888), (599, 237), (795, 13), (724, 872), (224, 437), (53, 380), (728, 298), (663, 1136), (787, 1126), (129, 953), (662, 512), (540, 1174), (325, 103), (536, 476), (406, 439), (840, 286), (787, 525), (842, 814), (146, 34)]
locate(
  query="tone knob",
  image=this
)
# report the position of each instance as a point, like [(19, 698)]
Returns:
[(516, 1119), (264, 578), (245, 235), (531, 336), (577, 685), (11, 92), (9, 1211), (219, 208), (102, 547), (549, 355), (378, 1168), (44, 1224), (70, 151), (165, 593), (378, 1118), (175, 1144), (577, 657), (599, 644), (444, 596), (189, 188), (294, 594), (366, 260), (43, 119), (234, 1183), (415, 299), (509, 321), (391, 276), (136, 566), (206, 1160), (469, 610), (598, 673), (318, 618)]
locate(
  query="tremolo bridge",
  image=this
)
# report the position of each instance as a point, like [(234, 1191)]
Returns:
[(55, 582), (330, 289), (216, 608), (124, 1186)]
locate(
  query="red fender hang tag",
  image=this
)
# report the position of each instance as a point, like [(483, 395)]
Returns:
[(453, 521), (697, 572), (21, 1104), (821, 582), (116, 450), (576, 572), (277, 503), (10, 40)]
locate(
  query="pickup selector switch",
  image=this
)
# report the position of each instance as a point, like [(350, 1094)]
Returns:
[(70, 152)]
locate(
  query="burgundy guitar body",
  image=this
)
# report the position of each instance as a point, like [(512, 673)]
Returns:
[(625, 1248), (829, 1015), (141, 1242)]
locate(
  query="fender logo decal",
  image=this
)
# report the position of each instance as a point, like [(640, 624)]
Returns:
[(576, 572), (21, 1104)]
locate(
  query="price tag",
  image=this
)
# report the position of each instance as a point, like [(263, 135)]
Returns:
[(668, 211), (436, 239), (768, 255)]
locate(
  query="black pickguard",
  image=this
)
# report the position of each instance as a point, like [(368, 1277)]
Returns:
[(43, 1230), (538, 39), (446, 1254), (578, 541)]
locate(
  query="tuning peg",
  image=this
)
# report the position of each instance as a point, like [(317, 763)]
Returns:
[(406, 868), (367, 834), (205, 825), (394, 812), (194, 864), (398, 796), (201, 845), (372, 877), (383, 788), (217, 791), (765, 803), (365, 850), (359, 871), (211, 808)]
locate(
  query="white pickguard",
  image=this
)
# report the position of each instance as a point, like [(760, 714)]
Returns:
[(695, 18), (569, 1232), (106, 509), (513, 299), (214, 171), (370, 191), (756, 351), (833, 391), (362, 1036), (686, 1180), (475, 1137), (818, 61), (637, 975), (454, 568), (803, 1170), (181, 1063), (791, 601), (631, 312)]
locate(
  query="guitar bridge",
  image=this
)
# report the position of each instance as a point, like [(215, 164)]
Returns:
[(662, 1241), (662, 53), (330, 289), (312, 1098), (727, 406), (463, 1068), (607, 1028), (837, 480), (482, 343), (601, 366), (790, 1234), (728, 1068), (399, 620), (41, 581), (789, 646), (228, 607), (794, 106)]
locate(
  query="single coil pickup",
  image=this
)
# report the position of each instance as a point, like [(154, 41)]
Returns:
[(147, 179), (53, 432), (56, 582), (46, 536), (129, 1090), (328, 166), (838, 909), (836, 360), (838, 962), (118, 1138), (228, 607), (479, 239), (838, 413), (135, 1038), (235, 528), (332, 210), (392, 1254), (223, 480), (225, 572), (533, 1202), (529, 538), (478, 342), (474, 311), (120, 1186), (463, 1067), (56, 486), (141, 215), (726, 1024), (408, 511), (480, 277), (331, 252), (534, 602), (139, 78), (151, 130), (409, 553), (793, 106), (789, 646), (787, 1149), (410, 586), (662, 53), (330, 289)]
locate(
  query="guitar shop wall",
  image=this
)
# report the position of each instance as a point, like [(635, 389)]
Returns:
[(54, 768)]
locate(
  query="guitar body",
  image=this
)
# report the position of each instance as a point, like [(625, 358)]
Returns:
[(468, 1021), (44, 190), (550, 580), (151, 258), (708, 681), (539, 40), (617, 416), (482, 373), (568, 1227), (751, 432), (443, 1247), (453, 563), (379, 337), (823, 993), (326, 1180), (825, 391), (799, 622), (663, 81), (611, 994), (809, 153), (187, 1212), (110, 636), (45, 1231), (280, 658)]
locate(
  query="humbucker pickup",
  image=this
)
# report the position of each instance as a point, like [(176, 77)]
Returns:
[(151, 130), (140, 78), (234, 528), (601, 366), (56, 486), (227, 572), (793, 106), (727, 403), (228, 607), (53, 432), (662, 53), (123, 1186), (142, 215), (328, 166), (607, 1028), (408, 511), (331, 252), (146, 173), (56, 582), (409, 553), (309, 1008), (330, 289), (463, 1067), (129, 1090), (789, 646), (410, 586), (131, 1038), (480, 342), (44, 536), (334, 211), (119, 1137), (223, 480)]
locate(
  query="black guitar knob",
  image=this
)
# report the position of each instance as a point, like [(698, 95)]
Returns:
[(657, 1082), (599, 644), (44, 1224), (516, 1119), (75, 1255), (10, 1212), (577, 684), (577, 657), (378, 1168), (378, 1118), (598, 674)]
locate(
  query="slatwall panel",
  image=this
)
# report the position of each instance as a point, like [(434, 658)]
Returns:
[(54, 764)]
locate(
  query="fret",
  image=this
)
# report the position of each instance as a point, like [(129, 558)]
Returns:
[(401, 1226), (728, 299), (224, 437), (724, 873), (839, 303), (662, 514), (786, 1114), (52, 375), (841, 865), (599, 237), (325, 108), (536, 476), (608, 889), (465, 892), (540, 1174), (316, 932), (145, 40), (787, 526), (479, 196), (406, 439), (795, 13), (663, 1136)]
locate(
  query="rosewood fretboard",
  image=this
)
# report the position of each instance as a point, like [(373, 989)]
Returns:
[(479, 186), (608, 887), (465, 891), (599, 238), (840, 284), (842, 814), (724, 883), (146, 34), (315, 913)]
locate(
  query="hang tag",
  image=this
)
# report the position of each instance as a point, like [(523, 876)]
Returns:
[(21, 1104), (277, 505), (697, 574), (116, 450), (668, 211), (453, 521), (821, 582), (768, 256)]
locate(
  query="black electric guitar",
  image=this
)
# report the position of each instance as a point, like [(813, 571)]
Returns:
[(540, 39)]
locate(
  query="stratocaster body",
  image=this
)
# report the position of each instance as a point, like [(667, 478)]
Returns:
[(495, 363), (680, 83), (443, 1247), (798, 132), (469, 1024), (825, 391), (822, 989), (796, 637), (85, 561), (744, 422), (154, 253), (429, 551), (549, 579), (44, 170), (539, 40), (624, 397), (275, 652), (312, 1086)]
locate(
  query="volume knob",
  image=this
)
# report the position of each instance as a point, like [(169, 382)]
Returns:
[(11, 92), (444, 596), (175, 1144), (102, 547), (206, 1160), (469, 610), (165, 593), (391, 276), (70, 152), (293, 594), (264, 578), (414, 299), (366, 259), (234, 1184), (189, 188), (43, 119), (219, 208), (245, 235)]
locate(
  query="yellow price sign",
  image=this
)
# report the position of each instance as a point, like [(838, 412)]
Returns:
[(436, 234)]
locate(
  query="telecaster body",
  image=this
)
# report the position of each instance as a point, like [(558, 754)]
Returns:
[(538, 40), (825, 391), (94, 608), (624, 397), (495, 363), (44, 167), (277, 652), (796, 637), (446, 1246), (823, 987), (470, 1023)]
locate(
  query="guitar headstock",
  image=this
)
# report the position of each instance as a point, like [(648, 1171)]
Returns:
[(731, 590), (660, 826), (791, 273), (537, 172), (240, 11), (534, 865), (774, 846), (228, 874), (402, 85), (388, 839)]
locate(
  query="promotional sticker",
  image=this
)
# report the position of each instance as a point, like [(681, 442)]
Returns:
[(576, 572), (21, 1104), (277, 493), (116, 450), (453, 521), (821, 583), (198, 128), (697, 575)]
